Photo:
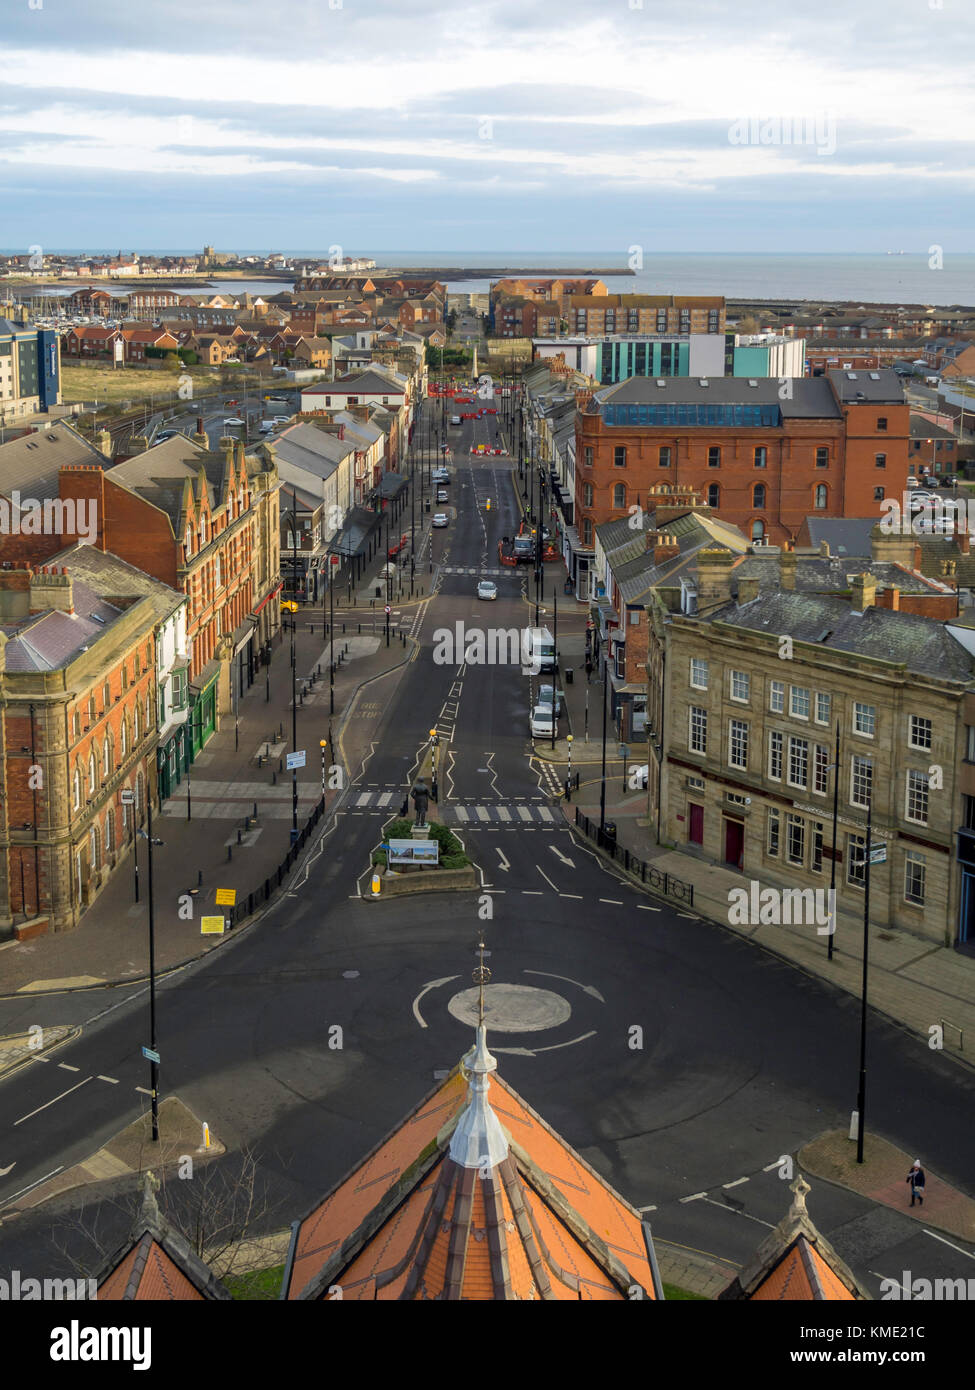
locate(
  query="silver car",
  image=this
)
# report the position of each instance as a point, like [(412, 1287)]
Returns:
[(486, 589)]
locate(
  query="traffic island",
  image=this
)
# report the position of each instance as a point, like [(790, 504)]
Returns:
[(418, 859)]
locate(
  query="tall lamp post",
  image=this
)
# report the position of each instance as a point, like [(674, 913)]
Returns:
[(602, 782), (832, 868), (862, 1082), (153, 1064), (294, 672), (331, 633)]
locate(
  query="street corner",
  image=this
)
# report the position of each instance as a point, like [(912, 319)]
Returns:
[(17, 1049)]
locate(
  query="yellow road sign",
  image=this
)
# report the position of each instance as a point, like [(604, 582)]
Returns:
[(211, 926), (226, 897)]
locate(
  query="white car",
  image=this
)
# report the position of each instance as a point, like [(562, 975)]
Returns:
[(455, 419), (541, 721), (486, 589), (232, 422), (441, 519), (545, 698)]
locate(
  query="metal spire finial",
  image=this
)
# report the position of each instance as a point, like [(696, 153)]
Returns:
[(481, 976)]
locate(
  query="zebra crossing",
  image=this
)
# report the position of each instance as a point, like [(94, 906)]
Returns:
[(472, 569), (469, 815)]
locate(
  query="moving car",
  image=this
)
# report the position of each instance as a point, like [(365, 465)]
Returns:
[(455, 419), (538, 647), (441, 519), (267, 427), (232, 422), (442, 495), (288, 605), (487, 590), (166, 434), (541, 721), (440, 475)]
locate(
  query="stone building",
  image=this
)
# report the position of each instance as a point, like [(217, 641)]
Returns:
[(745, 699)]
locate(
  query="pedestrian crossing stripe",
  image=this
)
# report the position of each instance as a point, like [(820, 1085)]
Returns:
[(469, 569), (470, 815)]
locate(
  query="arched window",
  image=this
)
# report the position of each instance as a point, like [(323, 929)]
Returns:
[(758, 496), (714, 495), (587, 494), (135, 720), (188, 542), (76, 789), (758, 530), (619, 495), (107, 757), (148, 721), (109, 833), (92, 772), (123, 736), (821, 495), (93, 847)]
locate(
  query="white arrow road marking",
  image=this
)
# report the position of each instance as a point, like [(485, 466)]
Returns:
[(5, 1171), (434, 984), (559, 855), (586, 989), (533, 1051), (948, 1242), (52, 1102), (546, 878)]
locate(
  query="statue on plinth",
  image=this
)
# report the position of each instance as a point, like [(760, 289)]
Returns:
[(421, 800)]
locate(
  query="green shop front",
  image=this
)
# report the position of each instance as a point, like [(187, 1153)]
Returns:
[(203, 709)]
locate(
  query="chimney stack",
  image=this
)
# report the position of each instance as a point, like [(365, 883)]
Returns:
[(51, 588), (787, 569), (747, 589), (863, 593), (824, 550), (104, 443), (666, 548), (891, 548), (713, 578)]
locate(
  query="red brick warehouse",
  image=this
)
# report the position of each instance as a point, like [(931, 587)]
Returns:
[(763, 453)]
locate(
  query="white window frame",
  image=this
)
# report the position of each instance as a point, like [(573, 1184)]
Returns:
[(913, 721), (795, 690), (699, 662), (773, 834), (738, 733), (920, 864), (827, 700), (797, 824), (917, 790), (859, 705), (856, 758), (702, 722), (741, 680), (796, 744), (776, 691)]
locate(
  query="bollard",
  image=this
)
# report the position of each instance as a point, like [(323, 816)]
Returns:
[(230, 853), (199, 878), (358, 627), (343, 627), (376, 885), (255, 810), (280, 764), (274, 778), (239, 834)]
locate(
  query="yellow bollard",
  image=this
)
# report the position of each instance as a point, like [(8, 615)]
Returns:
[(376, 885), (489, 504), (206, 1136)]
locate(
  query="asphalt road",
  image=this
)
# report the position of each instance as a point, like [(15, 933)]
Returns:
[(681, 1061)]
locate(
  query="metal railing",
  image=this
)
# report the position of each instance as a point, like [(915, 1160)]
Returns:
[(668, 884)]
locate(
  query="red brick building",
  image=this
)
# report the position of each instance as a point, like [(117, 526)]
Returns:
[(77, 729), (644, 313), (763, 455)]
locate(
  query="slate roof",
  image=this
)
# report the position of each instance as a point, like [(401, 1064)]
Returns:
[(105, 574), (844, 536), (30, 464), (923, 645), (305, 447), (49, 640), (811, 397)]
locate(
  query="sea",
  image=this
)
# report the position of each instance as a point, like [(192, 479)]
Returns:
[(893, 277)]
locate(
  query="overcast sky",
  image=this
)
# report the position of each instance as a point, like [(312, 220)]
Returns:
[(510, 125)]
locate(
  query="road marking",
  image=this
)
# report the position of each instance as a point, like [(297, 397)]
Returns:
[(577, 896), (737, 1182), (52, 1102), (545, 813), (524, 812), (948, 1242), (505, 864), (697, 1197), (532, 893), (30, 1186), (66, 1066), (643, 908), (482, 813), (142, 1091), (112, 1080), (385, 799), (504, 813), (586, 989), (769, 1166), (546, 878), (558, 853), (433, 984), (613, 902), (651, 1208), (461, 813), (363, 799), (9, 1169)]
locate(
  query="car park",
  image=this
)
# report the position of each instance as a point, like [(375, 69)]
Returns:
[(541, 721), (441, 519), (487, 590)]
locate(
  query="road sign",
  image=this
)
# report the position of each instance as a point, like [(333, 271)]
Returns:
[(149, 1055), (211, 926), (296, 759), (226, 897), (388, 610), (878, 854), (128, 798)]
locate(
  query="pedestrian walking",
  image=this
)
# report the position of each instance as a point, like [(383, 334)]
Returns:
[(916, 1178)]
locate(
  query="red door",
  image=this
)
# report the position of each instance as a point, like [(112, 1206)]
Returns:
[(734, 843), (695, 834)]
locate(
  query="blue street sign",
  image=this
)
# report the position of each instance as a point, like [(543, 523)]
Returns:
[(149, 1055)]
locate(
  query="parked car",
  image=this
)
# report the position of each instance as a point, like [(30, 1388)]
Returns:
[(487, 590), (166, 434), (541, 721), (441, 519), (949, 480), (455, 419), (440, 475), (545, 698), (442, 495), (232, 422)]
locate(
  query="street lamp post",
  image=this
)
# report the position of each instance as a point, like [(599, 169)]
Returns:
[(331, 631), (832, 868), (862, 1085), (568, 780), (153, 1065), (602, 782), (624, 754), (323, 744), (555, 674)]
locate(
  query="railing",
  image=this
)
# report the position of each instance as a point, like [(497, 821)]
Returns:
[(668, 884), (246, 907)]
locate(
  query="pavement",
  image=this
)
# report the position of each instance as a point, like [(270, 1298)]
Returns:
[(927, 988), (206, 844)]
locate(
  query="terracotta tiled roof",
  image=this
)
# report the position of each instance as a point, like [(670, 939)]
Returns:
[(795, 1263), (412, 1222), (157, 1264)]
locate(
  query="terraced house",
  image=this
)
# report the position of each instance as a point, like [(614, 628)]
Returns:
[(746, 699)]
